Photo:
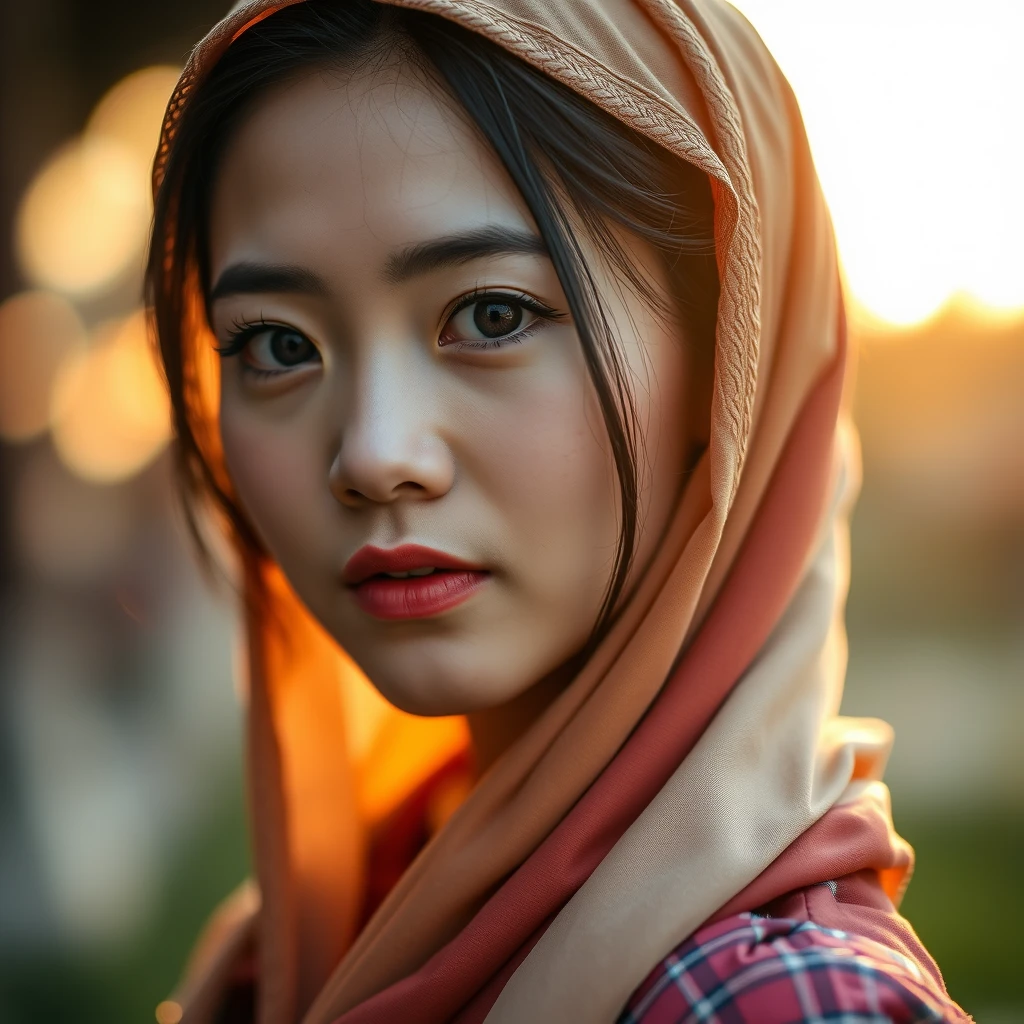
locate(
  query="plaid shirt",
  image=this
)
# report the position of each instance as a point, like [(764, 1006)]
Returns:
[(750, 969)]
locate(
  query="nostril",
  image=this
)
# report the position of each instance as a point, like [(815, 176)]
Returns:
[(410, 486), (354, 496)]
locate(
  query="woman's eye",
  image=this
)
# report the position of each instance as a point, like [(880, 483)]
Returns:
[(272, 350), (489, 321)]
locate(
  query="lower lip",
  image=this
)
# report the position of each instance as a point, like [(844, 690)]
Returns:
[(417, 597)]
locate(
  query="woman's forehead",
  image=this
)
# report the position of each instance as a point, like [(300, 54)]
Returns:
[(373, 160)]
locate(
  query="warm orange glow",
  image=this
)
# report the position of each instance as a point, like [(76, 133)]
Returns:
[(109, 412), (913, 112), (37, 330), (132, 111), (84, 218), (406, 750), (366, 713)]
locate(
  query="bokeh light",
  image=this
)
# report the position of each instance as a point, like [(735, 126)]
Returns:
[(37, 330), (84, 218), (109, 413), (913, 113), (168, 1012), (132, 111)]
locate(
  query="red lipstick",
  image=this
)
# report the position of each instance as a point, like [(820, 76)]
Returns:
[(436, 581)]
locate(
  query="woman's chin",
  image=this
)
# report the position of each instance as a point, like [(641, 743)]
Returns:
[(434, 679)]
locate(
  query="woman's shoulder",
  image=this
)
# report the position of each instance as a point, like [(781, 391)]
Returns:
[(749, 969)]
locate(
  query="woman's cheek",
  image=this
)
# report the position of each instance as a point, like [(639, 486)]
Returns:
[(556, 488), (270, 471)]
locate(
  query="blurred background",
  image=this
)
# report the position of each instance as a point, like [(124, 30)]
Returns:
[(121, 805)]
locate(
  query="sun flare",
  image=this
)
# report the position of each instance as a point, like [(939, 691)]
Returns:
[(913, 111)]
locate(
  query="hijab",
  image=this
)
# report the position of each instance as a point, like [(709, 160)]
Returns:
[(696, 765)]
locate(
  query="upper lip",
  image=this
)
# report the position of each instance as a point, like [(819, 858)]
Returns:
[(369, 561)]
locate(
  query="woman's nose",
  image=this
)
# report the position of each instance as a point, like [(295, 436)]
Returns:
[(389, 446)]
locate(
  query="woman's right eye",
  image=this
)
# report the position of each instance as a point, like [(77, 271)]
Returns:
[(269, 350)]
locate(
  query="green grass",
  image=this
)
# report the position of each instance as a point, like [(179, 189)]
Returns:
[(966, 901)]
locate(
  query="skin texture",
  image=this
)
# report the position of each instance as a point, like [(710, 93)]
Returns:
[(396, 429)]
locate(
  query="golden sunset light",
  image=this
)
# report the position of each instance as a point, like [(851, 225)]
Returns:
[(913, 113)]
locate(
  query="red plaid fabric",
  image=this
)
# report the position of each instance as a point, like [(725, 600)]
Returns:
[(750, 969)]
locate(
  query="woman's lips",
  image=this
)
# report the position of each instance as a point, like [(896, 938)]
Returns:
[(417, 597), (451, 582)]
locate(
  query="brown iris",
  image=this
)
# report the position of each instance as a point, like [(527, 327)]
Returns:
[(290, 348), (495, 319)]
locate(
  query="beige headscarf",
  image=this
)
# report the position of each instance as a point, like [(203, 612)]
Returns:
[(702, 738)]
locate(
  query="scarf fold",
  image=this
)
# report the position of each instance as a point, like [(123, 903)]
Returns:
[(697, 762)]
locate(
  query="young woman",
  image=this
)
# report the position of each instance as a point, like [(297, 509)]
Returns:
[(505, 341)]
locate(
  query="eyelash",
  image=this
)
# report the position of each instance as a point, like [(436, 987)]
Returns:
[(240, 334)]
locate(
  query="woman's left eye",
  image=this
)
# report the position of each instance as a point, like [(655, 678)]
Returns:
[(494, 320)]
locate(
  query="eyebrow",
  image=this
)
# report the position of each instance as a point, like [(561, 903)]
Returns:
[(260, 278), (456, 249), (247, 278)]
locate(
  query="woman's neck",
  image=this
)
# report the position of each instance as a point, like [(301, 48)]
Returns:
[(494, 730)]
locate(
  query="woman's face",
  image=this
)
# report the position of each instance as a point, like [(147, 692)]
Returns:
[(405, 372)]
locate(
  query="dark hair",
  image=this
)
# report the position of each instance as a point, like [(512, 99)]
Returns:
[(572, 162)]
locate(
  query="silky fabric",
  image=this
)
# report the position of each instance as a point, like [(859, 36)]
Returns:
[(697, 761)]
